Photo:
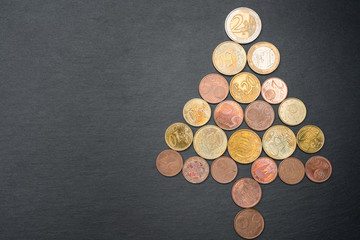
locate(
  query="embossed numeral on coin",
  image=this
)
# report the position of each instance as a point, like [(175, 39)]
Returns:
[(237, 27), (248, 85), (274, 84)]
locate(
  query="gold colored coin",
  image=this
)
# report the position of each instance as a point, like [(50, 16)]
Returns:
[(263, 57), (292, 111), (310, 139), (245, 87), (229, 58), (244, 146), (279, 142), (178, 136), (196, 112), (243, 25), (210, 142)]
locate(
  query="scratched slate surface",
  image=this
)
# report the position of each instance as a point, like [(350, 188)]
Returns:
[(89, 87)]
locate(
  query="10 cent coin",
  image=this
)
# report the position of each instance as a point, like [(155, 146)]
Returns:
[(310, 139), (178, 136)]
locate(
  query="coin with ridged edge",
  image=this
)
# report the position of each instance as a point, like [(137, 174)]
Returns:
[(279, 142), (292, 111), (245, 87), (178, 136), (197, 112), (210, 142), (263, 57), (244, 146), (310, 139)]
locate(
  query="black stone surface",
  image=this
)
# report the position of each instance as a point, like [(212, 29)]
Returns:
[(89, 87)]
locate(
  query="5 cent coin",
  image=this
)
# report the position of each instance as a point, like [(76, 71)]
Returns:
[(244, 146), (259, 115), (229, 58), (279, 142), (292, 111), (318, 169), (243, 25), (245, 87), (228, 115), (310, 139), (263, 57), (213, 88), (196, 112), (178, 136), (264, 170), (246, 192), (169, 163), (224, 169), (196, 169), (274, 90), (291, 171), (249, 223), (210, 142)]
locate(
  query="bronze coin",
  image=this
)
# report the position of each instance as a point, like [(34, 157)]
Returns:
[(196, 169), (259, 115), (249, 223), (274, 90), (246, 192), (228, 115), (291, 171), (264, 170), (169, 163), (224, 169), (318, 169), (213, 88)]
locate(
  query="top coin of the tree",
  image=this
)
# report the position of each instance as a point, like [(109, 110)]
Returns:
[(243, 25), (229, 58)]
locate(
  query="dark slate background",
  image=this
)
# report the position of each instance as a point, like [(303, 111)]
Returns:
[(89, 87)]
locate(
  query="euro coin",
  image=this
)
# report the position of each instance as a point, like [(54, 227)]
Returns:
[(291, 171), (279, 142), (246, 192), (249, 223), (310, 139), (169, 163), (229, 58), (245, 87), (244, 146), (228, 115), (243, 25), (263, 57), (224, 169), (264, 170), (197, 112), (195, 170), (210, 142), (292, 111), (274, 90), (259, 115), (213, 88), (318, 169), (178, 136)]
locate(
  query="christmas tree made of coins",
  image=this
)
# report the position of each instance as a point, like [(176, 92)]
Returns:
[(243, 25)]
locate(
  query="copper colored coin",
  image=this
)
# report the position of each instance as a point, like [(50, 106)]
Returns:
[(249, 223), (213, 88), (228, 115), (264, 170), (259, 115), (291, 171), (246, 192), (274, 90), (224, 169), (169, 163), (196, 169), (318, 169)]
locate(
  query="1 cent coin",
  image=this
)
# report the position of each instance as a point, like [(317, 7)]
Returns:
[(229, 58), (291, 171), (196, 112), (224, 169), (213, 88), (228, 115), (244, 146), (169, 163), (264, 170), (292, 111), (318, 169), (263, 57), (310, 139), (178, 136), (274, 90), (243, 25), (196, 169), (249, 223), (259, 115), (245, 87), (246, 192), (279, 142), (210, 142)]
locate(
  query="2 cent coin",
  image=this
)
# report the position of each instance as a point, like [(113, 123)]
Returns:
[(318, 169), (249, 223), (274, 90)]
